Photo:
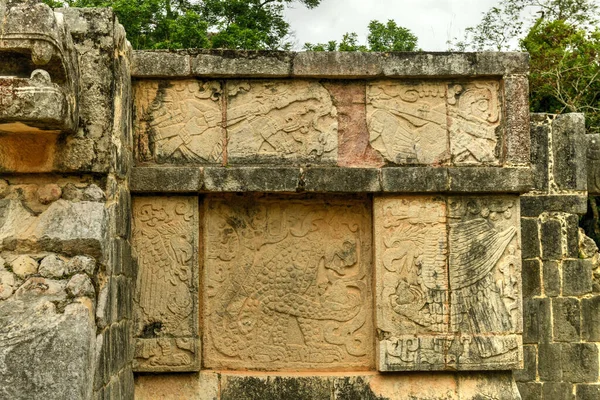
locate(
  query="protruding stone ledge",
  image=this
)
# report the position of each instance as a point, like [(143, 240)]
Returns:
[(166, 179), (533, 206), (331, 65)]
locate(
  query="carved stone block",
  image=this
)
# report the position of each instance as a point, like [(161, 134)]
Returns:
[(165, 238), (179, 122), (407, 121), (448, 286), (287, 284), (475, 123), (39, 70), (280, 120)]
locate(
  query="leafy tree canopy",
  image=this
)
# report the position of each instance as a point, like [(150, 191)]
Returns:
[(173, 24), (382, 37)]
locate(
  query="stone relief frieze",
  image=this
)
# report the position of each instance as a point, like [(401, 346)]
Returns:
[(436, 122), (274, 120), (179, 121), (474, 122), (165, 238), (407, 121), (448, 288), (287, 284)]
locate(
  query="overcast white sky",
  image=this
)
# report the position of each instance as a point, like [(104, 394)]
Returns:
[(433, 21)]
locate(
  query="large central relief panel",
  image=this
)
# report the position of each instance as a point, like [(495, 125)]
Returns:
[(287, 284)]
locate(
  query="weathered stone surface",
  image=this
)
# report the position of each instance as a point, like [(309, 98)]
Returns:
[(536, 320), (549, 362), (489, 180), (421, 325), (577, 278), (567, 319), (49, 193), (540, 147), (531, 276), (518, 142), (344, 180), (407, 121), (24, 266), (248, 64), (274, 387), (251, 179), (593, 163), (354, 149), (287, 284), (551, 275), (414, 179), (160, 64), (45, 353), (588, 392), (8, 283), (568, 143), (529, 372), (337, 64), (80, 285), (179, 121), (530, 242), (551, 239), (474, 123), (164, 180), (39, 82), (580, 362), (81, 264), (280, 120), (590, 314), (165, 238), (52, 266), (193, 386), (530, 390), (93, 193), (558, 391), (533, 205)]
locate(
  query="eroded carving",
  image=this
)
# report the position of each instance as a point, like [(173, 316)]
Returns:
[(407, 121), (448, 283), (280, 120), (39, 70), (485, 267), (474, 122), (179, 121), (166, 306), (287, 284)]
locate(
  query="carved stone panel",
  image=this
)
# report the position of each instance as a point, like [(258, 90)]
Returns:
[(165, 238), (275, 120), (448, 288), (407, 121), (485, 282), (287, 284), (179, 121), (474, 123), (412, 282)]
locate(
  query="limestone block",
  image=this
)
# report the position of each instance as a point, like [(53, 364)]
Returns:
[(287, 284), (475, 123), (165, 238), (448, 286), (407, 121), (280, 120), (44, 353), (24, 266), (178, 121)]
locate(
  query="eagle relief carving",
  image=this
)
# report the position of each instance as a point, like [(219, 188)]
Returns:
[(165, 240)]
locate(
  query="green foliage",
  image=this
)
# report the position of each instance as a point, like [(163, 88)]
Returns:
[(382, 37), (565, 75), (174, 24), (390, 37)]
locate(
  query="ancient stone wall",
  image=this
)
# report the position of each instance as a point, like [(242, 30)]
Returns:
[(269, 225)]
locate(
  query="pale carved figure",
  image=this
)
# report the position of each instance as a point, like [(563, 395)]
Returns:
[(448, 289), (39, 70), (164, 240), (474, 115), (281, 120), (287, 285), (179, 121), (407, 121)]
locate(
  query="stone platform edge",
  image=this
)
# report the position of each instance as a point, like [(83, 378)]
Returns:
[(331, 65), (167, 179)]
